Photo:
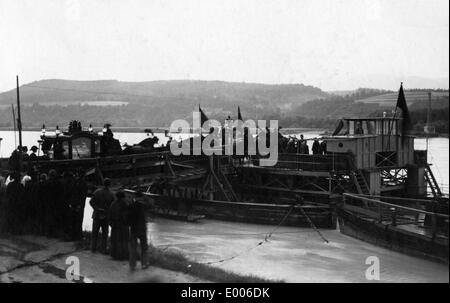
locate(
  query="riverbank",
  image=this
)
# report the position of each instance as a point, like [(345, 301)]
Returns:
[(39, 259)]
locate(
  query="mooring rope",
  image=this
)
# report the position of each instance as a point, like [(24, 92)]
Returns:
[(266, 239), (313, 226)]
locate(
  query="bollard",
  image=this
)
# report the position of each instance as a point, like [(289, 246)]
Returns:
[(393, 216)]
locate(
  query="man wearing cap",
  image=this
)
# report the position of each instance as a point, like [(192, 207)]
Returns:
[(101, 202), (33, 156)]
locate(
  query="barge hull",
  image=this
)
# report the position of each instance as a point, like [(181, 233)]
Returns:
[(393, 238)]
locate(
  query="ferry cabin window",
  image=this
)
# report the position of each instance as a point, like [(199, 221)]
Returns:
[(370, 125), (81, 148), (358, 128), (351, 127), (379, 127)]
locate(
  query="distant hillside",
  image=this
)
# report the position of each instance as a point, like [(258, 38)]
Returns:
[(411, 96), (369, 102), (150, 103), (360, 92), (156, 92)]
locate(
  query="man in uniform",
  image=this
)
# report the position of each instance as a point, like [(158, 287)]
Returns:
[(100, 202), (138, 230)]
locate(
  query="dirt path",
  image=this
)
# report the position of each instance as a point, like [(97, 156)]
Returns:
[(43, 260)]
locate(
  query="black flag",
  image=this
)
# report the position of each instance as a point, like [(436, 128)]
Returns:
[(203, 117), (239, 114), (401, 103), (338, 127)]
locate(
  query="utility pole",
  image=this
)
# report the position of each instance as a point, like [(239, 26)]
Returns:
[(19, 125)]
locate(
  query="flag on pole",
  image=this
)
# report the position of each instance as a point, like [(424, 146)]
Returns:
[(239, 114), (338, 127), (401, 103), (203, 117)]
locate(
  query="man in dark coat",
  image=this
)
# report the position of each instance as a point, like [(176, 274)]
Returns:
[(316, 147), (14, 192), (117, 218), (323, 148), (100, 202), (14, 159), (77, 207), (33, 156), (138, 231)]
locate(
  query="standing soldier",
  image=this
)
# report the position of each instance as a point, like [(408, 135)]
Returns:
[(138, 230), (117, 218), (100, 202), (316, 147)]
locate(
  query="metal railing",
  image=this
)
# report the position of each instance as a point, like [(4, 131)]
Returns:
[(328, 162), (401, 211)]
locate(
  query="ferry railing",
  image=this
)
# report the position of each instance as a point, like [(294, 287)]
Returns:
[(426, 213), (308, 162)]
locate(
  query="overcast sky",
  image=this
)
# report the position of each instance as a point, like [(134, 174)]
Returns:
[(332, 44)]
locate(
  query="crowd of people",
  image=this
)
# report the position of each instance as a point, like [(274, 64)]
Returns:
[(300, 146), (48, 204), (52, 205)]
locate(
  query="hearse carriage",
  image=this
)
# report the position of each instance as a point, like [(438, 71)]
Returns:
[(77, 143)]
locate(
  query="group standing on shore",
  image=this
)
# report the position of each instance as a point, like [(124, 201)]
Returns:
[(43, 204), (127, 221), (52, 204)]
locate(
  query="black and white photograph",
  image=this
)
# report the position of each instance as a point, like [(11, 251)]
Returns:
[(249, 143)]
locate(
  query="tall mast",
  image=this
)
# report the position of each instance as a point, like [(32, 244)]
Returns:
[(428, 127), (19, 125), (14, 124), (19, 120)]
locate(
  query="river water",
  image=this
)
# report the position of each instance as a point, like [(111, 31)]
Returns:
[(291, 254)]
